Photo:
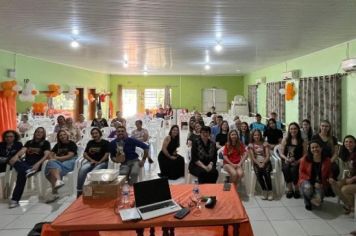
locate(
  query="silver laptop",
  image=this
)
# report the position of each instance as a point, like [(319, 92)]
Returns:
[(153, 198)]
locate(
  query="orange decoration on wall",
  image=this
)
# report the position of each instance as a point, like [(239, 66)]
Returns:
[(54, 90), (289, 91), (91, 97), (8, 88)]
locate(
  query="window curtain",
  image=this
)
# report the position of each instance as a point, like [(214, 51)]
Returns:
[(252, 98), (167, 96), (320, 99), (7, 113), (276, 101)]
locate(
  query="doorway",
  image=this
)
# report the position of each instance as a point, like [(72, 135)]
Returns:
[(92, 104), (129, 102), (79, 104)]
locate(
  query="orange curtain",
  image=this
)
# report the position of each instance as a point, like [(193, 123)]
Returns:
[(7, 113)]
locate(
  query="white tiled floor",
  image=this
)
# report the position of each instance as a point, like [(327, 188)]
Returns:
[(284, 217)]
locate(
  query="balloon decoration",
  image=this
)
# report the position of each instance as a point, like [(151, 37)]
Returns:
[(54, 90), (72, 93), (289, 91), (39, 107), (102, 97), (9, 88), (282, 91), (28, 92)]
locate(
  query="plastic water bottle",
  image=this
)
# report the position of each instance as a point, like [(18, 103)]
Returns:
[(196, 192), (125, 190)]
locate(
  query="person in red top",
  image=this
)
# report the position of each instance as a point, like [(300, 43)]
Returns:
[(234, 156), (314, 172)]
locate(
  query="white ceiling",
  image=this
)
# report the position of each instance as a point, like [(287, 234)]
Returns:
[(171, 36)]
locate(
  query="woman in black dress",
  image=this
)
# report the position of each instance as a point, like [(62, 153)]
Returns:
[(170, 163)]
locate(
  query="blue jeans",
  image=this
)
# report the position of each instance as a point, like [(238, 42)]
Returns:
[(84, 170), (21, 167), (131, 169), (309, 191), (64, 167)]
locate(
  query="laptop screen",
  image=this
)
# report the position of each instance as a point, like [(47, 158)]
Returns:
[(151, 191)]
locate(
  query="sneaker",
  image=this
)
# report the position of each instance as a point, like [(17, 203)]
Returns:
[(289, 194), (296, 194), (315, 201), (59, 184), (13, 204), (30, 173), (52, 198), (270, 196), (264, 195)]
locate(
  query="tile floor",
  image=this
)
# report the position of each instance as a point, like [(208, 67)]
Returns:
[(280, 217)]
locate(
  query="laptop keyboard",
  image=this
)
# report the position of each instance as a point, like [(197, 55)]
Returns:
[(156, 206)]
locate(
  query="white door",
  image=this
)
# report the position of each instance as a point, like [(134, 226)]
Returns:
[(129, 102), (215, 97)]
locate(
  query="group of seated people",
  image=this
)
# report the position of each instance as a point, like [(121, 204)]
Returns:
[(313, 166)]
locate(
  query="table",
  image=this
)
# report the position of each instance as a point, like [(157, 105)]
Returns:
[(99, 215)]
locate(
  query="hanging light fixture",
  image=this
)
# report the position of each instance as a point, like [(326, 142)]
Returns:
[(218, 47)]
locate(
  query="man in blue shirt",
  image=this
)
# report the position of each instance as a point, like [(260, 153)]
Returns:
[(258, 125), (123, 150)]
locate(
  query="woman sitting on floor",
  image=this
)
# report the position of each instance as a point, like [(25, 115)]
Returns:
[(36, 151), (314, 172), (203, 162), (96, 155), (170, 163), (61, 163), (260, 155), (293, 148), (234, 156), (9, 147), (346, 187)]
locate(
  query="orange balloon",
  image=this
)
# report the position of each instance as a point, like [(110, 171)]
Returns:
[(34, 92), (7, 93)]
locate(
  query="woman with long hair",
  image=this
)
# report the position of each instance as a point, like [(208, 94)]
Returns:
[(244, 134), (307, 131), (36, 151), (96, 154), (170, 162), (293, 148), (221, 137), (62, 161), (273, 134), (260, 155), (194, 135), (9, 146), (234, 156), (314, 173), (346, 187)]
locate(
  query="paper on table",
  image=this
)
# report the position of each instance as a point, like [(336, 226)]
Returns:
[(129, 214)]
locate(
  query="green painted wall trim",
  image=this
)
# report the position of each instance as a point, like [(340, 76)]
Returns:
[(42, 73), (324, 62), (186, 90)]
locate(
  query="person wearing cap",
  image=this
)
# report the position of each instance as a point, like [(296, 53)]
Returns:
[(258, 125)]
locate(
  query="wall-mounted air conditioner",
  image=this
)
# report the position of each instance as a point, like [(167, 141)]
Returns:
[(349, 65), (293, 74)]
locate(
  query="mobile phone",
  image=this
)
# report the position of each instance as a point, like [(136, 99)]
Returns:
[(227, 186)]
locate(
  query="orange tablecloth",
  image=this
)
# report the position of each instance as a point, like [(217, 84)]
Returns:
[(100, 215)]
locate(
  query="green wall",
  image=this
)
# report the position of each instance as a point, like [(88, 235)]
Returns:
[(324, 62), (186, 90), (42, 73)]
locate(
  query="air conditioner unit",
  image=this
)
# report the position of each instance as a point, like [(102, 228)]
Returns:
[(293, 74), (349, 65)]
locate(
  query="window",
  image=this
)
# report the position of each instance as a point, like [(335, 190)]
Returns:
[(62, 103), (154, 98), (129, 108)]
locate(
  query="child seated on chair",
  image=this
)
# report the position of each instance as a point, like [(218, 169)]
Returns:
[(260, 155)]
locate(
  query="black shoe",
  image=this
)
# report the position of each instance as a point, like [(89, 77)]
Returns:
[(308, 207), (296, 194), (289, 194), (150, 160), (30, 173)]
